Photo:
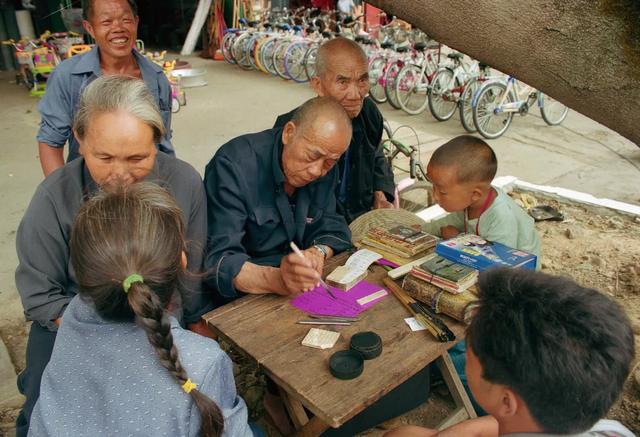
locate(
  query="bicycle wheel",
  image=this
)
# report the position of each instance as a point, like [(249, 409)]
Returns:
[(310, 60), (387, 147), (376, 72), (390, 84), (227, 44), (416, 196), (412, 88), (552, 111), (278, 59), (294, 62), (442, 98), (488, 117), (466, 110), (266, 55), (252, 46), (239, 51)]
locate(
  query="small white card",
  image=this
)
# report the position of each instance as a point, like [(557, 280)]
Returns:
[(414, 324), (320, 338), (373, 296)]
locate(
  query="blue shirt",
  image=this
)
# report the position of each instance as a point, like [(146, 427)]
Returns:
[(105, 378), (249, 215), (64, 86)]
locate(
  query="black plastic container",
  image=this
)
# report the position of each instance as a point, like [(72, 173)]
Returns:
[(346, 364), (368, 344)]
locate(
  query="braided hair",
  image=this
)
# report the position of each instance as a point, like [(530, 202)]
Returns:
[(137, 230)]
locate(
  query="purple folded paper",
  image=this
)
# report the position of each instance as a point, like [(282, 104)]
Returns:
[(318, 301), (386, 262)]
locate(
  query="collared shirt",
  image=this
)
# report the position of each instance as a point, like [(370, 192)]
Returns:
[(249, 215), (60, 103), (368, 170), (105, 378), (45, 277)]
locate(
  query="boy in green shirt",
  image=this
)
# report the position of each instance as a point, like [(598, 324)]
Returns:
[(461, 172)]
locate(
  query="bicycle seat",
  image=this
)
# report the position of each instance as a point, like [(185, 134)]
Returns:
[(483, 66), (420, 46), (326, 34), (252, 23), (312, 29), (455, 55), (297, 28), (386, 45), (267, 25), (348, 20), (402, 49), (360, 39), (283, 27)]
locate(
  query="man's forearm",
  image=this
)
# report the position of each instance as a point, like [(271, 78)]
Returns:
[(51, 157), (256, 279)]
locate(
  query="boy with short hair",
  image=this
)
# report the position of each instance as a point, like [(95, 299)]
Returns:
[(545, 357), (461, 172)]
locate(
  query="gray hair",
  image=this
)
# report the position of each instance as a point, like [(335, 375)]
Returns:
[(337, 45), (112, 93), (318, 107)]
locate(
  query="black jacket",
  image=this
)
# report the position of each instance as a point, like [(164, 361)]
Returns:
[(369, 170)]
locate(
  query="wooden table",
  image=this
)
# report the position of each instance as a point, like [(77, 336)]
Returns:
[(264, 328)]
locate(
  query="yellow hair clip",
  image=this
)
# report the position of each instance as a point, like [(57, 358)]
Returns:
[(188, 386)]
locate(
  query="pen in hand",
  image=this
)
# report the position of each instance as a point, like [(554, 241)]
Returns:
[(301, 255)]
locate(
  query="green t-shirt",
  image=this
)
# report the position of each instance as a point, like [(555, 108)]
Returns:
[(503, 222)]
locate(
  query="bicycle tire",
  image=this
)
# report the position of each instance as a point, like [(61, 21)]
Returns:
[(252, 45), (484, 114), (552, 111), (409, 78), (442, 103), (387, 147), (267, 56), (239, 50), (416, 196), (464, 106), (227, 44), (294, 62), (310, 60), (376, 74), (278, 58), (390, 84)]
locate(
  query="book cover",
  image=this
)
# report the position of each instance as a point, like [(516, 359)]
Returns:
[(447, 269), (476, 252), (453, 305)]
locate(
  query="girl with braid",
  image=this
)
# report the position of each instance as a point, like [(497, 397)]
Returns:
[(121, 364)]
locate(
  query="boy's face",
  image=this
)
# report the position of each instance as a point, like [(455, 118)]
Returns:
[(450, 194), (487, 394)]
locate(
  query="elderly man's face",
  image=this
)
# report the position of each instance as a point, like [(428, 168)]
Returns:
[(346, 79), (118, 148), (309, 154), (113, 26)]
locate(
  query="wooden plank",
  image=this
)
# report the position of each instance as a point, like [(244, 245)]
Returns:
[(454, 384), (295, 409), (459, 415), (314, 428)]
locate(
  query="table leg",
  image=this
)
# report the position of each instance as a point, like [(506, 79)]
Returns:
[(305, 427), (464, 408), (313, 428)]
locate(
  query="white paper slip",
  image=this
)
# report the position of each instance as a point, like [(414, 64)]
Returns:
[(373, 296), (320, 338), (414, 324)]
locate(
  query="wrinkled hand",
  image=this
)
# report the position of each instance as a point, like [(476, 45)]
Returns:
[(380, 200), (449, 232), (300, 275)]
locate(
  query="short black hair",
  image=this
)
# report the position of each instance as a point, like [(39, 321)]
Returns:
[(473, 158), (565, 349), (87, 8)]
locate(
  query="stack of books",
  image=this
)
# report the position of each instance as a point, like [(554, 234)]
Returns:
[(404, 241), (443, 273)]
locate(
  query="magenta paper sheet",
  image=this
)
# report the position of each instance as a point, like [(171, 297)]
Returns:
[(318, 301)]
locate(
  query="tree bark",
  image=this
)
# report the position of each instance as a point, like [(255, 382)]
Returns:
[(584, 53)]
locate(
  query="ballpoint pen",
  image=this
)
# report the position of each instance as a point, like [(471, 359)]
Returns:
[(322, 283)]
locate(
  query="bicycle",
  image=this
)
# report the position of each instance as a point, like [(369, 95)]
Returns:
[(414, 79), (447, 86), (414, 193), (497, 101)]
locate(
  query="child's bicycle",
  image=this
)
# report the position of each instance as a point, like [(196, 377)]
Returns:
[(413, 193), (36, 60)]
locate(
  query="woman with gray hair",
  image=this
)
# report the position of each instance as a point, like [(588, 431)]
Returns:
[(117, 127)]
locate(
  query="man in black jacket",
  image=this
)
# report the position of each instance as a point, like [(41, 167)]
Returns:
[(365, 177)]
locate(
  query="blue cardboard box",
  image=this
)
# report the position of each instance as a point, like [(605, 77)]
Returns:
[(474, 251)]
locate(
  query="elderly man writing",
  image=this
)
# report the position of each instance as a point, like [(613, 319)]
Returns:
[(114, 25), (365, 177), (118, 126), (271, 188)]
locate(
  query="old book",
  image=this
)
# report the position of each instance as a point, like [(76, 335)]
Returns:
[(453, 305), (354, 270), (407, 246), (451, 276)]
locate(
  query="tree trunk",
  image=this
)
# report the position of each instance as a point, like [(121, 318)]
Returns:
[(584, 53)]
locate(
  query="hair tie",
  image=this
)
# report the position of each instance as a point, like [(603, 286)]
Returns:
[(188, 386), (126, 284)]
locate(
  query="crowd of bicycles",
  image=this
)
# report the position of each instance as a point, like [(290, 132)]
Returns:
[(407, 69)]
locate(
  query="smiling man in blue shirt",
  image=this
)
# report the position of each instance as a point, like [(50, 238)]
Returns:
[(114, 26)]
